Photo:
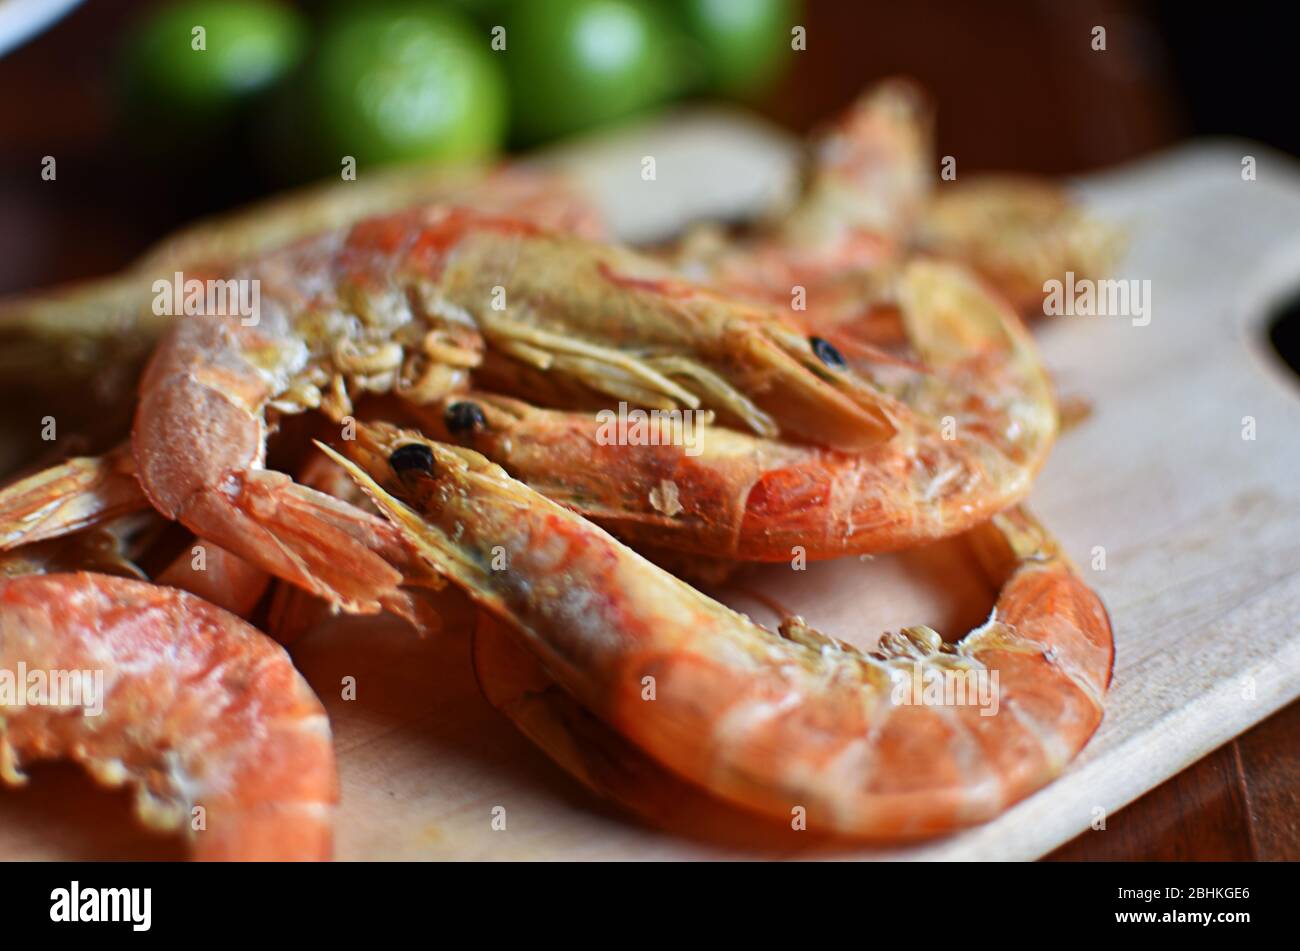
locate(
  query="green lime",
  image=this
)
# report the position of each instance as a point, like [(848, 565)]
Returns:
[(743, 42), (573, 64), (483, 12), (396, 82), (195, 62)]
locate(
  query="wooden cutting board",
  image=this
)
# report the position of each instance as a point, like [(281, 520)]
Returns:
[(1200, 528)]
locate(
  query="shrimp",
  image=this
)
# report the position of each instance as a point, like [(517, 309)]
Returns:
[(868, 179), (768, 722), (972, 407), (1019, 233), (869, 204), (406, 304), (204, 716), (71, 333)]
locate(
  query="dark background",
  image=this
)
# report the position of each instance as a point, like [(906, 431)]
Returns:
[(1017, 83), (1018, 88)]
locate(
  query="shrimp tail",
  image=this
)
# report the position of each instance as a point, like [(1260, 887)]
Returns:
[(302, 536), (66, 498)]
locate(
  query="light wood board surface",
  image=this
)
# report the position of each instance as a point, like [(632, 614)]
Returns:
[(1200, 527)]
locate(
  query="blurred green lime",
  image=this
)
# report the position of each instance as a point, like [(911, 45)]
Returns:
[(404, 81), (483, 11), (743, 42), (573, 64), (193, 63)]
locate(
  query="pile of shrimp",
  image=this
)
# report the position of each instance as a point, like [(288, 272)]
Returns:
[(857, 375)]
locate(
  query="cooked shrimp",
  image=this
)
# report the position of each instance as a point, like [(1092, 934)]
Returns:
[(868, 179), (769, 723), (1019, 233), (84, 329), (875, 195), (971, 404), (205, 717), (405, 304)]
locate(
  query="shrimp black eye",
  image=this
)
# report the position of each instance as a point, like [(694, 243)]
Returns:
[(827, 353), (413, 457), (464, 417)]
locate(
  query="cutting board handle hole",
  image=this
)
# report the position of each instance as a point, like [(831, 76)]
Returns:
[(1284, 331)]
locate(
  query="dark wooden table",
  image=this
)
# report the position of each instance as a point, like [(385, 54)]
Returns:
[(1241, 802)]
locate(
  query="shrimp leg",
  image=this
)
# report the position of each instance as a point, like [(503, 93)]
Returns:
[(202, 715)]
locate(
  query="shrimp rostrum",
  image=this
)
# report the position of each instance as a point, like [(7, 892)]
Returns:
[(766, 721)]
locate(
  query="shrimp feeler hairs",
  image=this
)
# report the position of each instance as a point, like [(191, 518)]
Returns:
[(757, 719)]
